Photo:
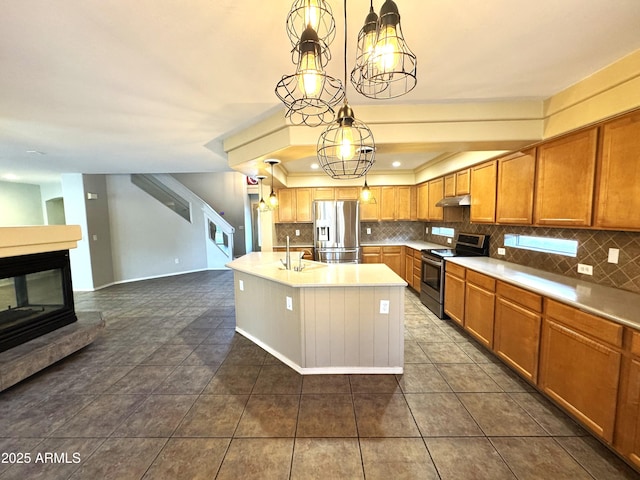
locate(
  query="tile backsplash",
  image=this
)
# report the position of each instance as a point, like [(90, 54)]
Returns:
[(593, 249), (593, 246)]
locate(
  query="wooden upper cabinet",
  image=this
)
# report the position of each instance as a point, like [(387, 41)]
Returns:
[(516, 177), (483, 192), (565, 180), (436, 192), (406, 203), (370, 211), (304, 211), (423, 201), (286, 205), (618, 184), (463, 182), (450, 185), (347, 193), (387, 200), (324, 193)]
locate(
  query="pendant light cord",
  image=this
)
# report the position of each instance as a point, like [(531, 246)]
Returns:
[(345, 50)]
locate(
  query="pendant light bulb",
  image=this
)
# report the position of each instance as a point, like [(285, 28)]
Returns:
[(310, 72), (273, 199), (346, 148), (312, 14), (365, 194), (310, 75), (388, 53)]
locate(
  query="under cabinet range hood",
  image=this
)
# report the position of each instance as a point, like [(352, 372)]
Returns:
[(458, 201)]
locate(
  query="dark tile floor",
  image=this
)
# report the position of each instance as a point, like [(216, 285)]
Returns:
[(171, 392)]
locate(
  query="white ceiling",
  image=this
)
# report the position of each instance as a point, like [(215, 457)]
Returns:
[(124, 86)]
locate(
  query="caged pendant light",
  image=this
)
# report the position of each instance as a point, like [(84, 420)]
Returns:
[(385, 67), (346, 149), (310, 94), (316, 13)]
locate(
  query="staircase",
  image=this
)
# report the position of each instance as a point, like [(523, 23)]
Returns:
[(218, 233)]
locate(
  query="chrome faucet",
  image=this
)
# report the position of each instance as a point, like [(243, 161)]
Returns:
[(300, 266), (287, 259)]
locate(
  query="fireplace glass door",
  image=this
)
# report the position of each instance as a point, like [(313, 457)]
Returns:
[(35, 296)]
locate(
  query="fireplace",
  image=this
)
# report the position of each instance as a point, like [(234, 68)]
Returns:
[(36, 296)]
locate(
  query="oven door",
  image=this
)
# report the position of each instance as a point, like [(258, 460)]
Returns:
[(431, 282)]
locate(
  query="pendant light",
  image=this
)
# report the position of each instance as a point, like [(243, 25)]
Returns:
[(316, 13), (365, 193), (310, 94), (262, 205), (387, 70), (346, 149), (273, 199)]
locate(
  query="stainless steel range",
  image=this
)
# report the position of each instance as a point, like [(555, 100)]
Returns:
[(432, 280)]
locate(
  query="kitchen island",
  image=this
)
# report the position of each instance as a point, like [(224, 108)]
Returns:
[(327, 318)]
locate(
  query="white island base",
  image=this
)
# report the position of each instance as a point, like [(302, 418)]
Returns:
[(325, 319)]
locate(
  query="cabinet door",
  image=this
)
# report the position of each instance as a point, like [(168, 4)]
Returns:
[(286, 205), (417, 269), (517, 337), (392, 258), (516, 177), (478, 313), (370, 211), (450, 185), (408, 266), (303, 205), (628, 425), (423, 201), (454, 297), (324, 193), (565, 177), (581, 374), (463, 182), (436, 192), (387, 201), (405, 203), (347, 193), (371, 255), (618, 197), (483, 193)]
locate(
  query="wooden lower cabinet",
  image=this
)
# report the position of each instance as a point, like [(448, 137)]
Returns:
[(371, 254), (479, 307), (627, 434), (392, 257), (580, 365), (518, 322), (408, 266), (417, 270), (454, 292)]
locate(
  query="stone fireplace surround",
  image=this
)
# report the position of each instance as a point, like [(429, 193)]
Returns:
[(21, 361)]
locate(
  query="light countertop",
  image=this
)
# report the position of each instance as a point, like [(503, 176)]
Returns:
[(608, 302), (316, 274), (415, 244)]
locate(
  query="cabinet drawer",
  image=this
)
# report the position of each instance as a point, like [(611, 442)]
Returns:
[(482, 281), (372, 250), (417, 254), (597, 327), (392, 249), (455, 270), (525, 298), (635, 344)]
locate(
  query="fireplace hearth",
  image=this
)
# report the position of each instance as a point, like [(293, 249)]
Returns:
[(36, 296)]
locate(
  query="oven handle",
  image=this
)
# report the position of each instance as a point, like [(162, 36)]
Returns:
[(432, 262)]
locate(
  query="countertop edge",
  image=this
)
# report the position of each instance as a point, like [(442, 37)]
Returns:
[(607, 302)]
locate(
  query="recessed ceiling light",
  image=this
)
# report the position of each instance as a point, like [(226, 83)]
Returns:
[(315, 166), (10, 176), (396, 164), (36, 152)]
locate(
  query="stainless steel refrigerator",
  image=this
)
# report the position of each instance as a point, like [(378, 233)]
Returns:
[(336, 231)]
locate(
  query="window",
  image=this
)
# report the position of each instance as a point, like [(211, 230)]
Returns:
[(445, 232), (558, 246)]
